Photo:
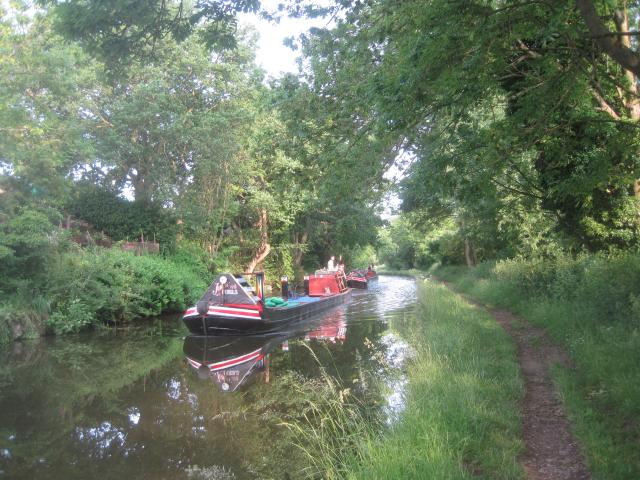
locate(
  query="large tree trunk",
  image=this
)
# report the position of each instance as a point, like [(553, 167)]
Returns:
[(632, 101), (469, 253), (298, 251), (264, 248), (141, 188), (625, 56)]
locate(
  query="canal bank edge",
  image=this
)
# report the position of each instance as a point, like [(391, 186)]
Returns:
[(461, 417)]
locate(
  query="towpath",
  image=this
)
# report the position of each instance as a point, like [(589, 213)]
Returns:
[(551, 453)]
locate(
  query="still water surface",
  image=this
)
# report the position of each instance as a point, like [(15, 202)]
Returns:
[(138, 404)]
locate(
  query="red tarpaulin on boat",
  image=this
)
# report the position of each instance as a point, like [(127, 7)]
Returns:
[(321, 285)]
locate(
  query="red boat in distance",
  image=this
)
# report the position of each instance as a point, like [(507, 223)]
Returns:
[(361, 278)]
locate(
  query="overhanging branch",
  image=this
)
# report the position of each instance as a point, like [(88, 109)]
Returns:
[(624, 56)]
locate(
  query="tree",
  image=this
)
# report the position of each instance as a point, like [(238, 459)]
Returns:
[(343, 177), (120, 31), (496, 100), (156, 125), (46, 90)]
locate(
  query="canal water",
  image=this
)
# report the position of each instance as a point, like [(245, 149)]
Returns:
[(151, 402)]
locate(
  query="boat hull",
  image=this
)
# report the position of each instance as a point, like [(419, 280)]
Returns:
[(219, 321)]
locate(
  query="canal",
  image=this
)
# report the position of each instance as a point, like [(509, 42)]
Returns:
[(150, 402)]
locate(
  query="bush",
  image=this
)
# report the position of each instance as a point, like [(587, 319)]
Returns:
[(21, 316), (26, 241), (95, 286), (71, 317), (605, 284)]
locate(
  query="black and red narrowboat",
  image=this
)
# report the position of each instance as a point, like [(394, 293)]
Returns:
[(232, 306), (357, 279), (361, 278)]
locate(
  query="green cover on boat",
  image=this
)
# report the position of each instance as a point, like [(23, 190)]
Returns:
[(275, 302)]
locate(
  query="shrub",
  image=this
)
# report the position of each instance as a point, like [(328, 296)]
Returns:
[(71, 317), (604, 284), (26, 241), (93, 286)]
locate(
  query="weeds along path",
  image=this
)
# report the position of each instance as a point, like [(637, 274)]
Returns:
[(551, 452)]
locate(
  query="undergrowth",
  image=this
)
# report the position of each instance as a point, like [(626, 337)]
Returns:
[(84, 288), (97, 286)]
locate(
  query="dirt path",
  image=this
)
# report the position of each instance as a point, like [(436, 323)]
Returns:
[(551, 452)]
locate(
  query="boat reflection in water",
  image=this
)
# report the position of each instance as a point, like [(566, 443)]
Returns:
[(333, 330), (231, 361)]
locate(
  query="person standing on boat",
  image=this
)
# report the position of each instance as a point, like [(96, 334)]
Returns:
[(331, 264), (341, 264)]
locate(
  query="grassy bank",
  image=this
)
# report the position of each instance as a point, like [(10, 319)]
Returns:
[(591, 307), (461, 416)]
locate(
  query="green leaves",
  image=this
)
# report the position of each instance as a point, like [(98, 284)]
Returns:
[(119, 32), (92, 287), (122, 219), (46, 87), (26, 241), (508, 107)]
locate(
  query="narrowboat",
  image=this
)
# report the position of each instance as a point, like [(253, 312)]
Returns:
[(357, 279), (231, 305), (361, 278), (371, 274)]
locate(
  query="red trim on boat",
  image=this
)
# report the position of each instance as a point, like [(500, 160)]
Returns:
[(255, 355), (228, 311), (193, 363), (235, 311), (240, 305)]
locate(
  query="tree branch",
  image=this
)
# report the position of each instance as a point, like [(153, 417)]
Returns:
[(624, 56), (604, 105)]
